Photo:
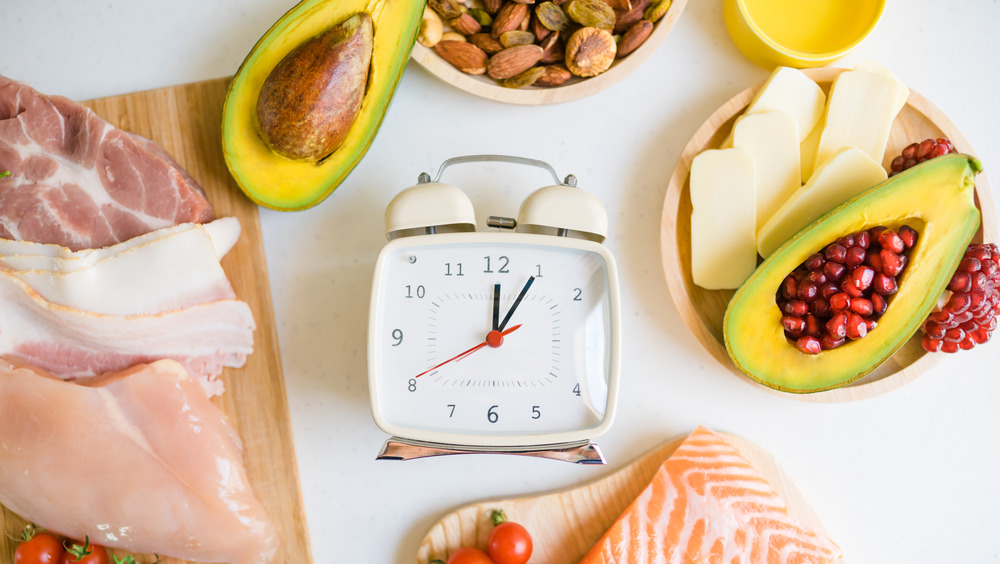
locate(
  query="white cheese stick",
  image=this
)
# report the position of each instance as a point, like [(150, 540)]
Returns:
[(723, 224), (772, 140), (846, 174)]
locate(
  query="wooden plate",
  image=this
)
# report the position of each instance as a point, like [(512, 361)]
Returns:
[(575, 88), (565, 524), (184, 120), (703, 310)]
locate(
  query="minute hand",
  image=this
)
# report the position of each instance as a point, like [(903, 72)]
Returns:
[(516, 303)]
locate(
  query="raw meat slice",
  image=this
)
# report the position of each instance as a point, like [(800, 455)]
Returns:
[(139, 460), (29, 255), (79, 182), (73, 344), (167, 273), (705, 504)]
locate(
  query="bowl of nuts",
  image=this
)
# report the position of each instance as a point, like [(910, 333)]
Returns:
[(540, 52)]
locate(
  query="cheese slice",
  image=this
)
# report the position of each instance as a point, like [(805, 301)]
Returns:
[(860, 111), (846, 174), (807, 150), (723, 225), (872, 66), (794, 93), (772, 140)]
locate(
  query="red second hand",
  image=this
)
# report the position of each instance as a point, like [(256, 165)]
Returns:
[(462, 355)]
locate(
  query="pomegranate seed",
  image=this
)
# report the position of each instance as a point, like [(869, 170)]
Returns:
[(834, 270), (856, 327), (977, 299), (861, 277), (892, 263), (990, 269), (793, 324), (980, 283), (954, 335), (890, 240), (796, 308), (855, 256), (816, 277), (827, 290), (884, 285), (930, 345), (960, 318), (862, 240), (874, 260), (958, 303), (970, 264), (837, 326), (967, 343), (934, 330), (980, 335), (840, 302), (942, 317), (861, 306), (828, 342), (879, 304), (789, 288), (850, 289), (970, 325), (870, 323), (908, 235), (808, 345), (925, 148), (835, 253), (814, 262), (820, 308), (876, 232), (960, 282), (812, 326), (949, 347), (847, 241), (807, 291), (980, 252)]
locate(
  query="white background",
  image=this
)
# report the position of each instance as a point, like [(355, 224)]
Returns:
[(911, 476)]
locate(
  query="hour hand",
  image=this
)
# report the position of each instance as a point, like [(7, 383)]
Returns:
[(496, 307)]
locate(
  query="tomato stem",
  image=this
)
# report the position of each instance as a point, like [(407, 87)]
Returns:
[(79, 551), (497, 517)]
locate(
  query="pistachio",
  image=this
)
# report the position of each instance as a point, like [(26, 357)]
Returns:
[(520, 80), (482, 16), (590, 51), (452, 36), (657, 10)]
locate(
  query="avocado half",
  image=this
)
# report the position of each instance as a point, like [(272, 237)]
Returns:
[(280, 183), (937, 198)]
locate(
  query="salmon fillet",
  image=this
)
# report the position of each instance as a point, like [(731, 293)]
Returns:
[(707, 504)]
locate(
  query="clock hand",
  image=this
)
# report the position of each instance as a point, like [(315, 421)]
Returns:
[(496, 307), (492, 337), (516, 303)]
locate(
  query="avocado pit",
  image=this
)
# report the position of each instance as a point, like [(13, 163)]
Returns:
[(310, 100)]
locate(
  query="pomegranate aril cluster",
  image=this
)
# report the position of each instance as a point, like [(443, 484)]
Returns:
[(916, 153), (968, 315), (839, 293)]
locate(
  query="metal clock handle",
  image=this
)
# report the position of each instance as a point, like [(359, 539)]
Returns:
[(424, 178)]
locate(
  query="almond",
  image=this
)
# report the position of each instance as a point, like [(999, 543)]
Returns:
[(553, 49), (465, 24), (486, 42), (465, 57), (622, 5), (634, 37), (492, 6), (554, 75), (624, 20), (513, 60), (508, 18)]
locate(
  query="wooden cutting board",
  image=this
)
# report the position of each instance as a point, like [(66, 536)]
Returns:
[(185, 120)]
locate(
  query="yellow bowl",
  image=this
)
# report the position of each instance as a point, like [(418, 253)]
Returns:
[(799, 33)]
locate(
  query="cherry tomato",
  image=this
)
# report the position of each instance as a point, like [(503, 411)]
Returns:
[(38, 548), (509, 543), (85, 553), (469, 556)]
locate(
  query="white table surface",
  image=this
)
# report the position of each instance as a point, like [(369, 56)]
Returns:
[(910, 476)]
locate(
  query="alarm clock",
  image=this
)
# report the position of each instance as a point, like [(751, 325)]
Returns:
[(498, 341)]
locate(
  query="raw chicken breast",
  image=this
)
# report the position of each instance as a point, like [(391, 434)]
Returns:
[(79, 182), (139, 460), (708, 504)]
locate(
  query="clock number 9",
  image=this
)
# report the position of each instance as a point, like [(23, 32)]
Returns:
[(397, 334)]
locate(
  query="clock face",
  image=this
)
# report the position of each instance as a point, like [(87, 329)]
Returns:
[(493, 338)]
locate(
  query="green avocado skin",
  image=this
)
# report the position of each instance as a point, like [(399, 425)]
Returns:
[(937, 198)]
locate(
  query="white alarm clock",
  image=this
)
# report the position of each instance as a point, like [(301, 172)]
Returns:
[(494, 341)]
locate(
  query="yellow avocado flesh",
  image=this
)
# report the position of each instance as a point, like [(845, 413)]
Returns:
[(280, 183), (937, 199)]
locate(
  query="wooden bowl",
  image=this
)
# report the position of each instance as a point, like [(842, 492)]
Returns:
[(703, 310), (575, 88), (564, 524)]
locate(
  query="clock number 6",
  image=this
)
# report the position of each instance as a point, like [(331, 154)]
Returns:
[(491, 414)]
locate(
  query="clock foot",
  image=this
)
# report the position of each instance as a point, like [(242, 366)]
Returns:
[(583, 452)]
